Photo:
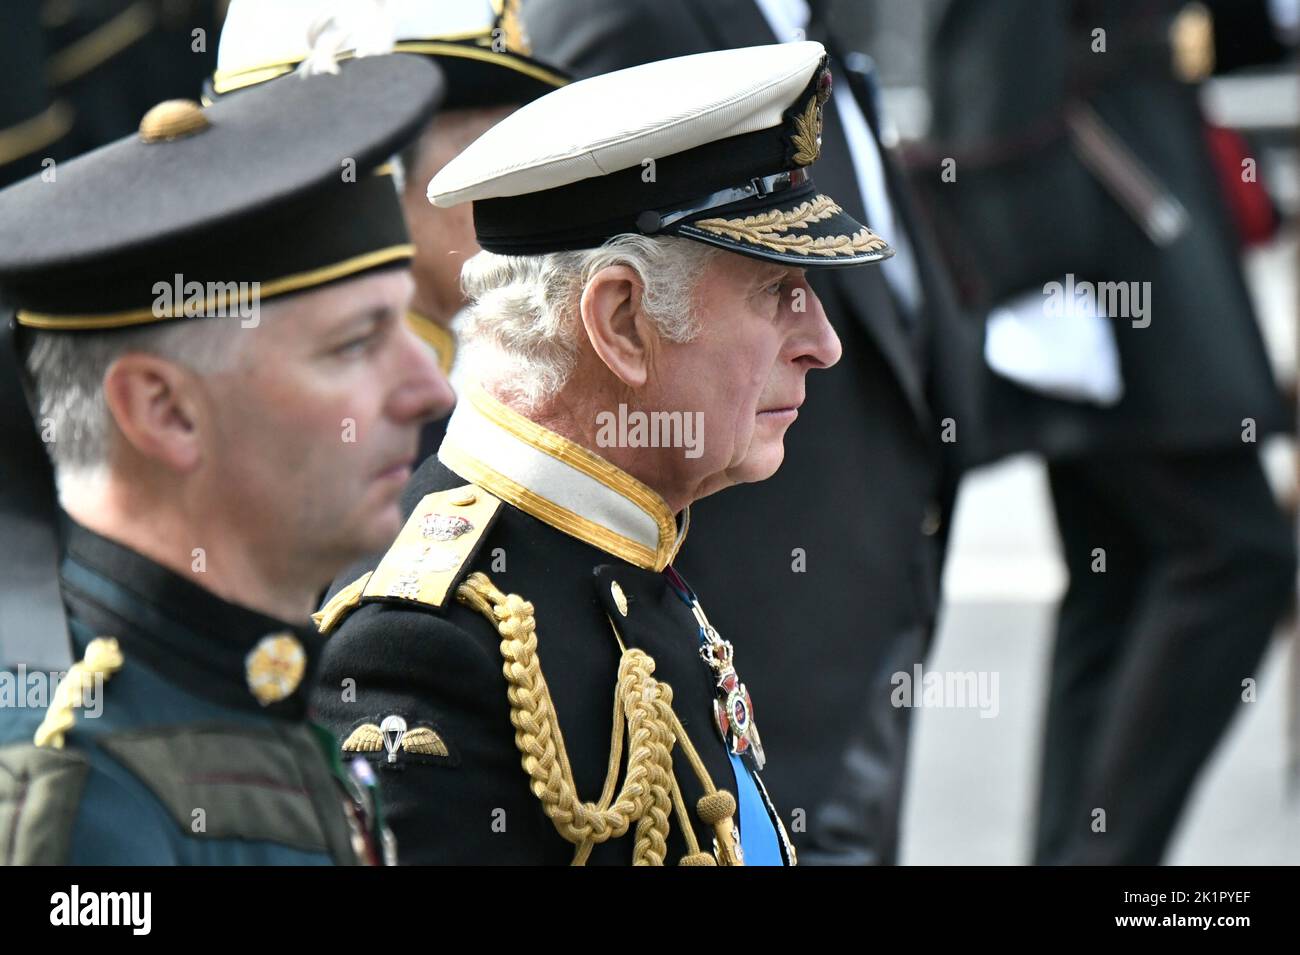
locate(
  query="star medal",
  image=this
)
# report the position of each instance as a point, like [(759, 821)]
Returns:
[(733, 710)]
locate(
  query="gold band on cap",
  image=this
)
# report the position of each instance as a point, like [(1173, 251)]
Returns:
[(439, 48), (230, 80), (280, 286)]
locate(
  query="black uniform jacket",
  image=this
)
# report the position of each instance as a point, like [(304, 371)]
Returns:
[(191, 745), (585, 544)]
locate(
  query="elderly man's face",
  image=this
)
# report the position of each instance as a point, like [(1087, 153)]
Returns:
[(762, 330), (315, 432)]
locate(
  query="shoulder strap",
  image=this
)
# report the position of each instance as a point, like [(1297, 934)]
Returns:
[(430, 556), (434, 549)]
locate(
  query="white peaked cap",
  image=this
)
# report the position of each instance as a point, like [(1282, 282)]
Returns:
[(261, 32), (611, 122), (729, 131), (480, 44)]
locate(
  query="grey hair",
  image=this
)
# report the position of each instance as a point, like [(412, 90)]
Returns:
[(67, 369), (523, 311)]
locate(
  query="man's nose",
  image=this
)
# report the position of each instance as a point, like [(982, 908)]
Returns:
[(819, 346), (423, 391)]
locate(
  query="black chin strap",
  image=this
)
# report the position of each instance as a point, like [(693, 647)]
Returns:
[(33, 625)]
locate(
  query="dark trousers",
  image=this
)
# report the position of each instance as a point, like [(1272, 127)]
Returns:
[(1151, 654)]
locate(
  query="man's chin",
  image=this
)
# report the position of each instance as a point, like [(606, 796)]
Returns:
[(759, 465)]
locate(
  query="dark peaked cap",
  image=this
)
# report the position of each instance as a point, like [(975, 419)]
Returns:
[(247, 190)]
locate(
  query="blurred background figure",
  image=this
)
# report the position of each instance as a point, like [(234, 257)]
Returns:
[(1068, 147), (76, 74), (482, 50), (825, 577)]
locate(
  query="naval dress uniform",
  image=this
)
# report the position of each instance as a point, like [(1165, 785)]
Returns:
[(570, 558), (558, 681), (180, 734)]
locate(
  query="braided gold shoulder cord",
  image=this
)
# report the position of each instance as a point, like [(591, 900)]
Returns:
[(652, 728), (103, 658)]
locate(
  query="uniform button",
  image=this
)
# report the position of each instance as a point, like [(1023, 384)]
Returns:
[(932, 520), (620, 600), (464, 499)]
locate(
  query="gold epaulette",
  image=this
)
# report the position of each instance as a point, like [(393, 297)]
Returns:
[(428, 558)]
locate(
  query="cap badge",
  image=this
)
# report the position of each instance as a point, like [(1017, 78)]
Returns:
[(807, 135)]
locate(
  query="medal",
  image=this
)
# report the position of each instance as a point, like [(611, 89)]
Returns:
[(733, 710)]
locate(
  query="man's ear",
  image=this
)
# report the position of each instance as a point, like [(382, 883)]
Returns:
[(152, 403), (617, 328)]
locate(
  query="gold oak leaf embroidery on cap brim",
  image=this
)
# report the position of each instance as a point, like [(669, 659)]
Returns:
[(769, 229)]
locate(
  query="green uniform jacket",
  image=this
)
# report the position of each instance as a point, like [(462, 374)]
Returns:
[(171, 758)]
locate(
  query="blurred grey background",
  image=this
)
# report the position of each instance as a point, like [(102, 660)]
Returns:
[(971, 780)]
